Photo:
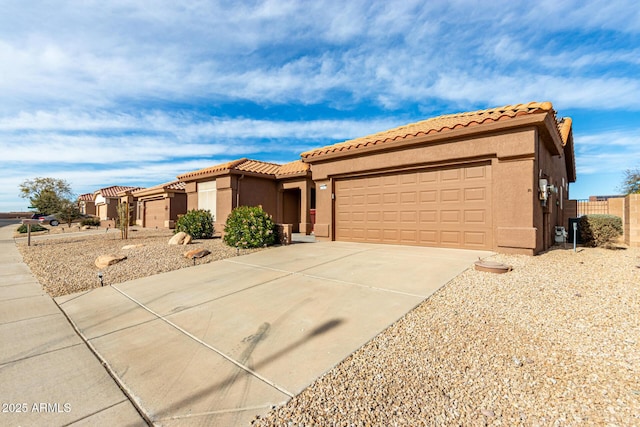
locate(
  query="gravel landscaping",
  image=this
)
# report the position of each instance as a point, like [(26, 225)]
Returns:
[(65, 265), (554, 342)]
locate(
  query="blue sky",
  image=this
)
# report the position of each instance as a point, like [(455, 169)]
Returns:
[(134, 93)]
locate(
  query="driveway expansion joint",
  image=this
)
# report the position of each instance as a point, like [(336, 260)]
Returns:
[(210, 347)]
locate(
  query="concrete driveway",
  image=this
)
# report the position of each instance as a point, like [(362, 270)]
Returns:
[(220, 343)]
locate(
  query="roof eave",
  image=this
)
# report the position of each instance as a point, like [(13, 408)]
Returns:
[(305, 174), (190, 177), (535, 119)]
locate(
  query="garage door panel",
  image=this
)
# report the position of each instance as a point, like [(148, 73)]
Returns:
[(154, 211), (475, 194), (475, 216), (409, 236), (450, 195), (428, 196), (408, 197), (472, 238), (390, 235), (390, 198), (430, 216), (450, 175), (450, 216), (428, 177), (429, 237), (374, 234), (477, 172), (390, 217), (441, 207), (374, 216), (450, 238), (409, 217)]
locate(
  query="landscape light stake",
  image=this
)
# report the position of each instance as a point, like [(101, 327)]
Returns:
[(100, 277)]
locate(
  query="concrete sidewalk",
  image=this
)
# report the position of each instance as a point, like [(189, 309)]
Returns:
[(48, 376), (219, 343)]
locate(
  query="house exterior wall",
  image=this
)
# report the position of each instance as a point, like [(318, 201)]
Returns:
[(632, 220), (302, 187), (259, 192), (87, 207), (515, 156), (232, 190), (552, 167), (174, 205), (177, 207)]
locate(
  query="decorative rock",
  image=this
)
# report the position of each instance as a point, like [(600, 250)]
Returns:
[(488, 413), (86, 227), (197, 253), (125, 247), (187, 240), (179, 238), (106, 260)]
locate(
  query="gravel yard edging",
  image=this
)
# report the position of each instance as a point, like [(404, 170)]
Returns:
[(554, 342), (65, 265)]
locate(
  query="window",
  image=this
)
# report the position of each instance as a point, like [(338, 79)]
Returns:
[(207, 196)]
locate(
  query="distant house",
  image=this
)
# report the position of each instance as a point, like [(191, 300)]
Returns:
[(286, 191), (106, 200), (161, 205), (86, 204)]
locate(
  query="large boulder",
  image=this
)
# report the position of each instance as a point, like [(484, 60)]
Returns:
[(180, 238), (106, 260), (197, 253)]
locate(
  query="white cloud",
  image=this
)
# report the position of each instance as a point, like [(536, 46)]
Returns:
[(94, 80)]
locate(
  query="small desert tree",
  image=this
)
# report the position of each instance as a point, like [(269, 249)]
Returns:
[(631, 182), (68, 212), (123, 219), (47, 195)]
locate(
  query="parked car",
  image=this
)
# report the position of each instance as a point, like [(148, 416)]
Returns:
[(43, 218)]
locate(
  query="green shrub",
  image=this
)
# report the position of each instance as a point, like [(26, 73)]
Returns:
[(599, 230), (91, 221), (249, 227), (34, 228), (197, 223)]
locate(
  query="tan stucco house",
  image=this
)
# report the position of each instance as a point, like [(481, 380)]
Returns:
[(106, 200), (495, 179), (161, 205), (286, 191), (86, 204)]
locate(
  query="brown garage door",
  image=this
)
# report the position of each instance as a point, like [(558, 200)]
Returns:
[(449, 207), (154, 213)]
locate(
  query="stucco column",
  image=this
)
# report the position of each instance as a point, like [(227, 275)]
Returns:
[(279, 218), (305, 205)]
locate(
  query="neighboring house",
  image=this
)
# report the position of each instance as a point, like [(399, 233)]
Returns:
[(86, 204), (286, 191), (106, 200), (493, 179), (161, 205)]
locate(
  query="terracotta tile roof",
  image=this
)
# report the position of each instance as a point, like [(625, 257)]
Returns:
[(161, 188), (257, 166), (216, 168), (435, 125), (250, 166), (564, 127), (293, 168), (88, 197), (114, 190), (176, 185)]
